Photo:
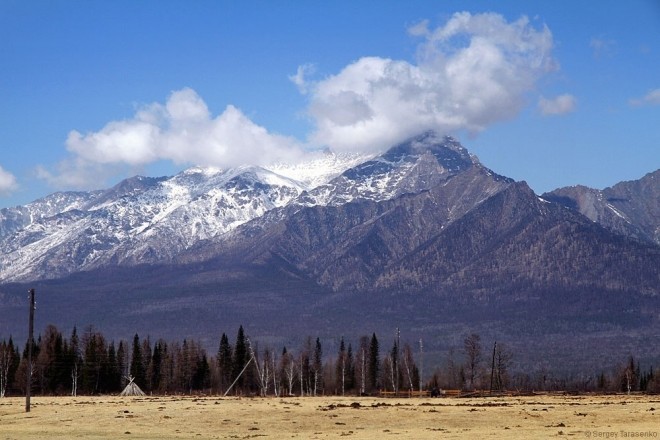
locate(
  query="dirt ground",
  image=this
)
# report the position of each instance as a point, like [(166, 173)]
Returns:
[(175, 417)]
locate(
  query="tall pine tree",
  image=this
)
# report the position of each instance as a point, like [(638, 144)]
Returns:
[(240, 358), (137, 369), (373, 368), (225, 365)]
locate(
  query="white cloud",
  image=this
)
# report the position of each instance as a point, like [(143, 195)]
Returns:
[(557, 106), (471, 72), (8, 182), (299, 78), (420, 29), (602, 47), (651, 98), (182, 131)]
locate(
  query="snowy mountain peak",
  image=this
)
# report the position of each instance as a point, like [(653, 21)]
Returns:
[(446, 149), (318, 167), (146, 220), (409, 167)]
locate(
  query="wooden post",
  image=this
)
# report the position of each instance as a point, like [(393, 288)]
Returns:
[(395, 383), (28, 387), (421, 365), (239, 376), (492, 368)]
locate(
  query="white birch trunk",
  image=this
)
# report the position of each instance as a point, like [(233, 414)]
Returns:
[(302, 384), (405, 362), (392, 374), (276, 384), (290, 375), (363, 385), (343, 374), (316, 381), (5, 361)]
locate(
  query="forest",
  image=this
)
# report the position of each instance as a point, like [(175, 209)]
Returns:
[(88, 364)]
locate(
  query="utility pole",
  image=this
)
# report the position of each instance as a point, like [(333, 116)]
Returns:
[(421, 364), (28, 388), (492, 368), (396, 361)]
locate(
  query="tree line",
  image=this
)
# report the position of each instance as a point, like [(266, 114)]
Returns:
[(89, 364)]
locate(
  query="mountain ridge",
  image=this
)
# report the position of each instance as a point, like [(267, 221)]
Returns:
[(423, 236), (155, 220), (619, 207)]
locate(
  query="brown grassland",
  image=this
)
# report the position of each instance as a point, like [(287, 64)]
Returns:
[(177, 417)]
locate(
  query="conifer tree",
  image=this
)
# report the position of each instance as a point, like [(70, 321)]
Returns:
[(224, 360), (202, 373), (114, 370), (373, 368), (122, 361), (350, 368), (240, 358), (137, 363), (146, 361), (94, 361), (156, 365), (317, 367)]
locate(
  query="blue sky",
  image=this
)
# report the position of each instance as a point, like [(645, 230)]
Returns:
[(554, 93)]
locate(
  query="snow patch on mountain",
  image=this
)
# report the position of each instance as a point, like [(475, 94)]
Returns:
[(149, 220), (318, 167), (144, 220)]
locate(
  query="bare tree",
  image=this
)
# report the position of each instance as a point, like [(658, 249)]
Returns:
[(262, 367), (76, 359), (362, 363), (452, 371), (630, 376), (277, 381), (304, 370), (387, 371), (317, 367), (472, 345), (502, 363), (288, 370), (396, 356), (409, 365), (421, 363), (341, 366)]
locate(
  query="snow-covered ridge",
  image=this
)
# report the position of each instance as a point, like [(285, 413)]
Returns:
[(145, 220), (318, 167), (150, 219)]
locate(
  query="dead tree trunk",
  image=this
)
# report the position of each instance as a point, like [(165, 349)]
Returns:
[(28, 388)]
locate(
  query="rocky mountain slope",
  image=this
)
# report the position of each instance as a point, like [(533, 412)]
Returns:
[(456, 229), (628, 208), (144, 220), (423, 236)]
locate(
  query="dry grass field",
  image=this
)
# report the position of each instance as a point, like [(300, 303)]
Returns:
[(532, 417)]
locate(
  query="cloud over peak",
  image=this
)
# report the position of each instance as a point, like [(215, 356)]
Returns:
[(470, 72), (182, 131)]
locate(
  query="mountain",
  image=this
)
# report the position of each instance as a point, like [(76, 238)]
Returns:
[(628, 208), (370, 217), (424, 237), (145, 220)]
